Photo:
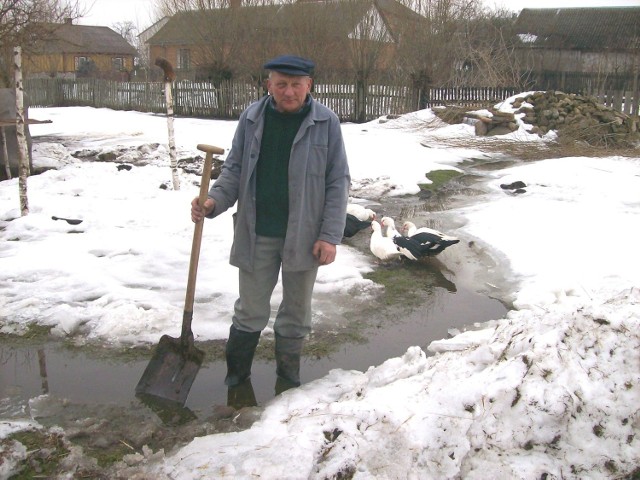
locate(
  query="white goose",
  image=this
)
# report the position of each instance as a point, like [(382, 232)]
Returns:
[(389, 227), (361, 213), (382, 247), (358, 218)]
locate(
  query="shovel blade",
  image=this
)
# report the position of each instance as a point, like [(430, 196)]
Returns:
[(171, 371)]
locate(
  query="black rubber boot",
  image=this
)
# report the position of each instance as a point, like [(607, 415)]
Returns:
[(288, 352), (239, 352), (283, 385)]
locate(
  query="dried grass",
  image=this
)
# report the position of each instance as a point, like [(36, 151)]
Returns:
[(528, 150)]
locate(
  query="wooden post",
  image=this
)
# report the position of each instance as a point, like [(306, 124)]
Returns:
[(5, 153), (635, 91), (23, 152), (361, 99)]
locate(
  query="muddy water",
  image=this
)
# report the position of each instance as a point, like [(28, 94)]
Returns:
[(420, 303)]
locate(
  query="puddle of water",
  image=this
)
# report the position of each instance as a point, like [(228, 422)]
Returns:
[(29, 371)]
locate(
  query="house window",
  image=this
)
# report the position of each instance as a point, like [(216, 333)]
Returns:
[(79, 62), (184, 59), (117, 63)]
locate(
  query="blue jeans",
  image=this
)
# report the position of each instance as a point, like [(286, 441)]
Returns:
[(253, 307)]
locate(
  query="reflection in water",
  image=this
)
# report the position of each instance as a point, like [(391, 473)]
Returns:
[(42, 362), (171, 413), (242, 395)]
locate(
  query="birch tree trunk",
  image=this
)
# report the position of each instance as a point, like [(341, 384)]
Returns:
[(23, 151), (172, 140)]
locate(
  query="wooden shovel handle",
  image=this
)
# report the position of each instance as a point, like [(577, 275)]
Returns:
[(210, 150)]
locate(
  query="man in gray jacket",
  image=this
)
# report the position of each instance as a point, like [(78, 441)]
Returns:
[(287, 170)]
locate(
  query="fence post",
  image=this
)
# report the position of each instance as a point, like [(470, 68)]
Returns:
[(361, 100), (635, 91)]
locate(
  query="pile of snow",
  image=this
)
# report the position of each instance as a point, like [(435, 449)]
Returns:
[(541, 394)]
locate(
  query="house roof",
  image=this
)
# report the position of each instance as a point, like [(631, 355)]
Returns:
[(336, 18), (152, 29), (396, 15), (606, 28), (82, 39), (196, 26)]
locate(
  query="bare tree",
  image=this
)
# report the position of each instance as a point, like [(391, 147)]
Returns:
[(486, 54), (20, 24), (127, 30), (216, 43), (23, 150), (428, 54), (460, 43)]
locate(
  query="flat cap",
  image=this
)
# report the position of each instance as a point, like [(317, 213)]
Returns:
[(291, 65)]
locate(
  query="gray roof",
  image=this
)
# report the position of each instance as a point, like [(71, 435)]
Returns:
[(82, 39), (190, 27), (595, 29)]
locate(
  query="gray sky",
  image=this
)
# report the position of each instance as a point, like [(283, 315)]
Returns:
[(141, 12)]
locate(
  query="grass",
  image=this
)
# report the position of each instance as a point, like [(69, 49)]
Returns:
[(438, 178), (44, 453), (33, 332)]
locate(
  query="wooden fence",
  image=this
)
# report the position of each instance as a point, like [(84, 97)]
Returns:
[(204, 99), (352, 103), (467, 96), (626, 101)]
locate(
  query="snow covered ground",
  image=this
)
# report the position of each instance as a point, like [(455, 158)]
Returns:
[(550, 391)]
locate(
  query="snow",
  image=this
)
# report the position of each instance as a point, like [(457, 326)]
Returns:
[(550, 391)]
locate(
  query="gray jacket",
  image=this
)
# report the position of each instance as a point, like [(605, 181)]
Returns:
[(319, 183)]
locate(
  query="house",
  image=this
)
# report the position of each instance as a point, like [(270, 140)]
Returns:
[(145, 35), (68, 50), (599, 44), (356, 35)]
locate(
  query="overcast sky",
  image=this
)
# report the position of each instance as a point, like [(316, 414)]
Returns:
[(142, 12)]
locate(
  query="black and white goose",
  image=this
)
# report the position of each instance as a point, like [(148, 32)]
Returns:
[(358, 218), (382, 247), (416, 243)]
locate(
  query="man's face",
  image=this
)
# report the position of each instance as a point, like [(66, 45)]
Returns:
[(289, 91)]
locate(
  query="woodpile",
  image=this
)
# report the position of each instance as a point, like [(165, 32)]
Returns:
[(497, 123), (574, 117), (577, 117)]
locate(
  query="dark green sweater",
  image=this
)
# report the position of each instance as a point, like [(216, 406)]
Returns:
[(272, 178)]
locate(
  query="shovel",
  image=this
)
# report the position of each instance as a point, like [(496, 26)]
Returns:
[(176, 361)]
